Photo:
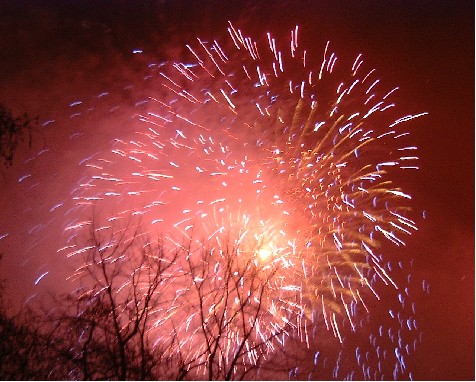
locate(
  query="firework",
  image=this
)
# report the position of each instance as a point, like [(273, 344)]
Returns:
[(277, 180)]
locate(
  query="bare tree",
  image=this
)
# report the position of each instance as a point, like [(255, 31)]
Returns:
[(13, 130), (105, 329), (234, 314), (161, 309), (24, 354)]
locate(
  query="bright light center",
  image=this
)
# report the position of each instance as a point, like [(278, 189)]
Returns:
[(264, 254)]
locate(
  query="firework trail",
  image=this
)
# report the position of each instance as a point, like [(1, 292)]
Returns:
[(280, 174)]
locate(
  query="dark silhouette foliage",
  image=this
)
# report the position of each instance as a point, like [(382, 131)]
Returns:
[(14, 130), (128, 318)]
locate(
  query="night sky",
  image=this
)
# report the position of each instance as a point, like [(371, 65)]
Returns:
[(55, 53)]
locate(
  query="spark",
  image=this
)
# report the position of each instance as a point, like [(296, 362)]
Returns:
[(41, 277)]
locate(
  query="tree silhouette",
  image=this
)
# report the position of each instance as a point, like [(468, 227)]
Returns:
[(103, 330), (14, 130), (229, 328), (24, 354), (160, 309)]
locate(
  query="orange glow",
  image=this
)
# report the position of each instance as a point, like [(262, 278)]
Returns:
[(264, 253)]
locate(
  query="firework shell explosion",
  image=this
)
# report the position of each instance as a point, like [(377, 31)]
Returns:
[(276, 178)]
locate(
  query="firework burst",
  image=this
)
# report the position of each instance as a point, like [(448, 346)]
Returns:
[(277, 179)]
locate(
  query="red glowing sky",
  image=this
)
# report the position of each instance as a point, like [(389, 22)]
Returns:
[(56, 53)]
